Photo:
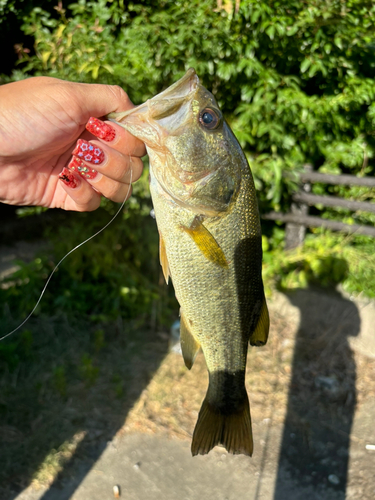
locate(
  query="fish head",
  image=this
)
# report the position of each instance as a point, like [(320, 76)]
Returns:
[(194, 156)]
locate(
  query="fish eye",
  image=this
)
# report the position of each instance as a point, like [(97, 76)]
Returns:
[(209, 118)]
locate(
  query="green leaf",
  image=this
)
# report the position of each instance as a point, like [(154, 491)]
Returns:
[(338, 42), (270, 31), (306, 63)]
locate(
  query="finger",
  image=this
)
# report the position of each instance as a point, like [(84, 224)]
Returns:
[(100, 100), (111, 189), (81, 196), (115, 191), (116, 137), (91, 157)]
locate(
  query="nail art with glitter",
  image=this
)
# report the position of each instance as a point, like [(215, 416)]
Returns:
[(88, 152), (68, 178), (101, 129), (79, 166)]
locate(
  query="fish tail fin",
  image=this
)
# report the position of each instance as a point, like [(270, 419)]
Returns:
[(232, 430)]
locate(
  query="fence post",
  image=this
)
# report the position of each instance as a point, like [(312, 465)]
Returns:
[(295, 233)]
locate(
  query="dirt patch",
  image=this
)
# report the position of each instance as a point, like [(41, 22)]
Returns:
[(172, 400)]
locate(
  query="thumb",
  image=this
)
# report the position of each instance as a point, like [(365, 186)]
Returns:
[(100, 100)]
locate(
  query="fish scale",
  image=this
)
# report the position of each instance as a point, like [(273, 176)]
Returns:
[(212, 287), (207, 216)]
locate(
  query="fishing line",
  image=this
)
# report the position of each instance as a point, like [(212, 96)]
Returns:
[(66, 255)]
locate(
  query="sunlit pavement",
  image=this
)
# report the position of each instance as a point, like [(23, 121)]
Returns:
[(155, 468)]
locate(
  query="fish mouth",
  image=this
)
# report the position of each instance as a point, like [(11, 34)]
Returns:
[(180, 89), (160, 107)]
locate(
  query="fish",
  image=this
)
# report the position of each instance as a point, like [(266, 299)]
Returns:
[(207, 216)]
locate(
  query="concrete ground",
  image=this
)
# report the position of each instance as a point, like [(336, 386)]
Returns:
[(153, 468)]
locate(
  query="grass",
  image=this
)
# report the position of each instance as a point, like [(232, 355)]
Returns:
[(55, 460)]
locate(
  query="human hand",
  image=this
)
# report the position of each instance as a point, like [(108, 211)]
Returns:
[(41, 119)]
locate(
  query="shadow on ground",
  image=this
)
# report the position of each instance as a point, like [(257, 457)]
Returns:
[(67, 383), (60, 405), (322, 395)]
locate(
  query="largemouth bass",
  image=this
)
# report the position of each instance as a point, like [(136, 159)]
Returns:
[(210, 245)]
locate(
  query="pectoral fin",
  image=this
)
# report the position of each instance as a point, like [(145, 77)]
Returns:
[(260, 335), (189, 345), (163, 258), (206, 242)]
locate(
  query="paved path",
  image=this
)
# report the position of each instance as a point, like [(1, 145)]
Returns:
[(155, 468)]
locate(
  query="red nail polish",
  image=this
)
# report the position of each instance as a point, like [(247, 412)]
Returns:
[(79, 166), (88, 152), (101, 129), (68, 178)]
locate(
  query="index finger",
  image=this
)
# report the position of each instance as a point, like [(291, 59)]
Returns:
[(100, 100), (116, 137)]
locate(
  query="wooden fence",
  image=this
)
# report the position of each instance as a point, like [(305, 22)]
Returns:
[(298, 219)]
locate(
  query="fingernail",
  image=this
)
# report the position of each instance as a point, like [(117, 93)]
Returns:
[(101, 129), (88, 152), (68, 178), (79, 166)]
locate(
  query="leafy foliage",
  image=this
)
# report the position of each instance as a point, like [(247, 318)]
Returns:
[(295, 80), (326, 261), (116, 273)]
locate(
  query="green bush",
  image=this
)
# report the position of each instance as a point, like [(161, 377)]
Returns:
[(295, 80), (325, 259), (115, 273)]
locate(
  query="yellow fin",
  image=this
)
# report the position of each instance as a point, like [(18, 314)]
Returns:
[(232, 430), (206, 242), (189, 346), (259, 336), (163, 258)]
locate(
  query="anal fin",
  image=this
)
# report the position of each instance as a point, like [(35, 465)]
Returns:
[(259, 336), (189, 345)]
